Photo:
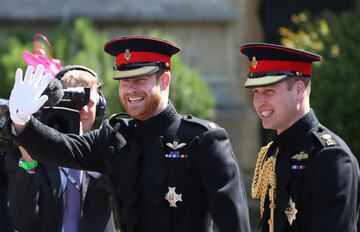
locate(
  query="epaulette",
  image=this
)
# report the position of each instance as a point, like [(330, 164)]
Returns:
[(324, 137), (205, 123), (119, 117)]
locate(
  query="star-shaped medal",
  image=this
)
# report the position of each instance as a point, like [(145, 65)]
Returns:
[(291, 211), (172, 197)]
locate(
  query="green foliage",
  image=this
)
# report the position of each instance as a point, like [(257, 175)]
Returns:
[(336, 83), (9, 62), (80, 43), (188, 91)]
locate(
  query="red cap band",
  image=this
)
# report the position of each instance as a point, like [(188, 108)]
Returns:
[(280, 65), (136, 57)]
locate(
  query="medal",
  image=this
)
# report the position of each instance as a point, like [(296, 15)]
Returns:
[(172, 197), (291, 212), (175, 145)]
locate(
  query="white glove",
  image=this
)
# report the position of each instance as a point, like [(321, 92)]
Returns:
[(25, 98)]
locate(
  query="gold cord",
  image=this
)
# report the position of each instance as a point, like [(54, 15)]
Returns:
[(264, 182)]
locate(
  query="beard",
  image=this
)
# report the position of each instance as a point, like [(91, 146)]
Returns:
[(143, 109)]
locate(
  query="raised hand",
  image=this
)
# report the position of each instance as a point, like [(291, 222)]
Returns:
[(25, 98)]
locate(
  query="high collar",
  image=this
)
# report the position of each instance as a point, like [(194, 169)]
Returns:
[(290, 136), (157, 123)]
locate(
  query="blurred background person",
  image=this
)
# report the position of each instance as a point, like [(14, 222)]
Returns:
[(47, 198), (4, 223)]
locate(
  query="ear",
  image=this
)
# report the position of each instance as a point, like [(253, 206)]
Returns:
[(300, 89), (165, 80)]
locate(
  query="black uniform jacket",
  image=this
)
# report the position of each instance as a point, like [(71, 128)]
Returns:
[(4, 222), (144, 159), (36, 202), (316, 169)]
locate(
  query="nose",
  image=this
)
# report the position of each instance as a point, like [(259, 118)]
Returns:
[(127, 86), (84, 110), (258, 100), (132, 86)]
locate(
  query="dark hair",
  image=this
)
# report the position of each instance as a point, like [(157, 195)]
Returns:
[(293, 79), (161, 72)]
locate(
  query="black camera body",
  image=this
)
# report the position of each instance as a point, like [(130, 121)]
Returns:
[(75, 98), (64, 116)]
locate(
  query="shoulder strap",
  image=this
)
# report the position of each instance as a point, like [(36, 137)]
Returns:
[(198, 121), (325, 138)]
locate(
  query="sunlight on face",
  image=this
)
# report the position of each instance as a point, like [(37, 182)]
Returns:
[(142, 97), (276, 106), (88, 112)]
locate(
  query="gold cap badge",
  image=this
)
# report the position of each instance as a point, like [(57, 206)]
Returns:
[(127, 54), (254, 62)]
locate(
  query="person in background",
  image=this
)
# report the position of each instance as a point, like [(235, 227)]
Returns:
[(4, 222), (46, 197), (5, 144), (307, 178), (169, 172)]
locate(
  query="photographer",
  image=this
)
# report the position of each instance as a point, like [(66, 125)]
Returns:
[(4, 222), (45, 197), (4, 145)]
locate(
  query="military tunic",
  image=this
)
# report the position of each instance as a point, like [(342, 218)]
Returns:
[(317, 180), (169, 173)]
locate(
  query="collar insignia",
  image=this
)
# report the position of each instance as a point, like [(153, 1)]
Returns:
[(127, 54), (291, 211), (172, 197), (175, 145), (328, 140), (301, 156)]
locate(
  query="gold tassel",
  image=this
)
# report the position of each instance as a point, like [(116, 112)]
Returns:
[(264, 182)]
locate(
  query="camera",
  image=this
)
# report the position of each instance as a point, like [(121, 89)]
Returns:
[(64, 116), (75, 98)]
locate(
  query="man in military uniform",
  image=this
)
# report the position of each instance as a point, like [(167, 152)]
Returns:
[(307, 179), (169, 172)]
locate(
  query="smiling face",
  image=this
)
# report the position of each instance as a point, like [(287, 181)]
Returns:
[(145, 97), (280, 106)]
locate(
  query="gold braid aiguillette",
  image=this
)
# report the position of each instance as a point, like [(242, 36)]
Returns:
[(264, 182)]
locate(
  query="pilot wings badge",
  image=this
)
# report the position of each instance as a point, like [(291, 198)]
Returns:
[(301, 156), (175, 145)]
